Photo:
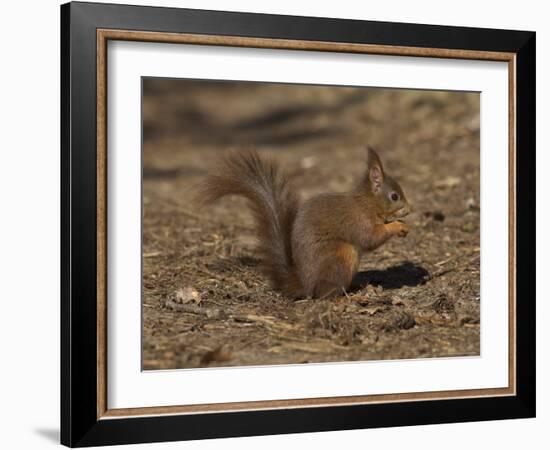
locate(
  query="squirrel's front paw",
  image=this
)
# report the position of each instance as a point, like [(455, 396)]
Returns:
[(400, 229)]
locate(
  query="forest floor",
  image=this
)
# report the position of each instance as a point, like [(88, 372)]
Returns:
[(205, 303)]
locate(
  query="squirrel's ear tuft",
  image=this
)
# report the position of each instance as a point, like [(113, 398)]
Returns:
[(375, 171)]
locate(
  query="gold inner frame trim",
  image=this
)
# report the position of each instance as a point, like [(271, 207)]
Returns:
[(103, 36)]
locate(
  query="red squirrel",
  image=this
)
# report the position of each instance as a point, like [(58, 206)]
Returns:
[(312, 249)]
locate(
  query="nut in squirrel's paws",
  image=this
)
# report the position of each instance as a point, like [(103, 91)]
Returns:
[(401, 228)]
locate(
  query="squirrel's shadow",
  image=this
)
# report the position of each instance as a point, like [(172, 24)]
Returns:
[(404, 274)]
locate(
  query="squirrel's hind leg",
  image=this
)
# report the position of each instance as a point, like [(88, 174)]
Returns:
[(334, 274)]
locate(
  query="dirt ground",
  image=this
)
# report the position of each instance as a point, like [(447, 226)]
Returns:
[(205, 302)]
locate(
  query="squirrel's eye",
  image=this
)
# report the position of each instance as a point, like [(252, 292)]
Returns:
[(394, 196)]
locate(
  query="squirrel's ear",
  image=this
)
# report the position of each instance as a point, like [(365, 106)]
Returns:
[(375, 171)]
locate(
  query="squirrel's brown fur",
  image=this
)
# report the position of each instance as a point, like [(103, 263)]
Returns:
[(273, 204), (311, 249)]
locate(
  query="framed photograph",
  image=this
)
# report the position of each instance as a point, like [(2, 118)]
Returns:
[(277, 224)]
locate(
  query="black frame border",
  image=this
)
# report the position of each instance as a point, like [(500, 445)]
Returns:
[(79, 423)]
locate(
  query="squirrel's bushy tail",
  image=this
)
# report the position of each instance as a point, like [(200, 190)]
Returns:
[(273, 204)]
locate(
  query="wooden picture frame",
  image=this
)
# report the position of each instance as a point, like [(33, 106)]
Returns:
[(86, 418)]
